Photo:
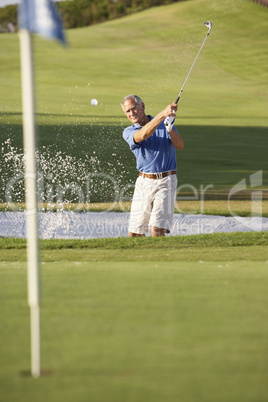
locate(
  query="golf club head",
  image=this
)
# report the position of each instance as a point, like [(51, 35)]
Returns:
[(209, 25)]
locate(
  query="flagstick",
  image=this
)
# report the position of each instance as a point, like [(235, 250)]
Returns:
[(29, 140)]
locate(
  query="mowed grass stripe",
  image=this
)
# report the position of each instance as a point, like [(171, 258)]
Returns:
[(220, 246), (209, 240)]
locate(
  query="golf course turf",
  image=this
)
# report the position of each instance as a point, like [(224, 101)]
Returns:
[(148, 320)]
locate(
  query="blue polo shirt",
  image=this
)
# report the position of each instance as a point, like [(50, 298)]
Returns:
[(154, 155)]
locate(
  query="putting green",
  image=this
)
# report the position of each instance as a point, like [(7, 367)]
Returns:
[(151, 331)]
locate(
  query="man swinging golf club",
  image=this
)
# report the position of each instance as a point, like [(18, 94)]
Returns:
[(153, 141), (155, 150)]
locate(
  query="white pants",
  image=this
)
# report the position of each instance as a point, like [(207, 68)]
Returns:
[(153, 204)]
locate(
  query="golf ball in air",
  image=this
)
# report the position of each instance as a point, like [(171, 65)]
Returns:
[(94, 102)]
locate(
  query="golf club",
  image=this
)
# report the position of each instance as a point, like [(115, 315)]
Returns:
[(169, 121)]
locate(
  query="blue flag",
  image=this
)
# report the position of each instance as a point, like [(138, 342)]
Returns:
[(40, 16)]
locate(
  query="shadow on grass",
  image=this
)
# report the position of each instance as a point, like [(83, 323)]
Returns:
[(214, 159)]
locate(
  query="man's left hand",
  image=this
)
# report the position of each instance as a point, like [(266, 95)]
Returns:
[(169, 122)]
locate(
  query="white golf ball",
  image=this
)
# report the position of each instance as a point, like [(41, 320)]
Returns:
[(94, 102)]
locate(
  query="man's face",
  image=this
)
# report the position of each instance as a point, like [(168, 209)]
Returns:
[(134, 112)]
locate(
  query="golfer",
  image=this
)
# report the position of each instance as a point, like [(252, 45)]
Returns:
[(155, 151)]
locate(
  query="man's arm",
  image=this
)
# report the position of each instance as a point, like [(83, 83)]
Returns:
[(176, 139), (150, 127)]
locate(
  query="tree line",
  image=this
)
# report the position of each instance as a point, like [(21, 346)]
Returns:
[(80, 13)]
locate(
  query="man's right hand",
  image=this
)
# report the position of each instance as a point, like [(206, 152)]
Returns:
[(170, 110)]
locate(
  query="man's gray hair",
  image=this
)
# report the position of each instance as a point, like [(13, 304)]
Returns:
[(135, 98)]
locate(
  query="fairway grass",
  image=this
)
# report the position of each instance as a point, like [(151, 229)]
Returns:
[(176, 319), (222, 115)]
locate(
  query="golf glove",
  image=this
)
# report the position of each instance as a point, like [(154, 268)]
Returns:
[(169, 121)]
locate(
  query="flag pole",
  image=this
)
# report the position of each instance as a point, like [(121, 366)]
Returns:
[(35, 16), (29, 140)]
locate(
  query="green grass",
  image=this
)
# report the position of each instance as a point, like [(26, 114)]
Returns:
[(207, 240), (139, 319), (236, 246), (222, 115), (164, 40), (226, 156), (148, 320)]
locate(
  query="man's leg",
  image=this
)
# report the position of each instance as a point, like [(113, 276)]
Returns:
[(141, 208), (163, 206)]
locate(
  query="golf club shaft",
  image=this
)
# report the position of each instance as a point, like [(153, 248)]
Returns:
[(178, 98)]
